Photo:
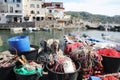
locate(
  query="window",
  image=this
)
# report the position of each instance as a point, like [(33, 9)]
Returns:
[(26, 18), (11, 9), (18, 1), (42, 18), (32, 6), (38, 18), (50, 11), (17, 5), (13, 0), (57, 5), (38, 6), (38, 12), (5, 0), (32, 12), (33, 17), (18, 11)]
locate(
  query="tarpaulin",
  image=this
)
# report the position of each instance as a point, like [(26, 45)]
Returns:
[(109, 78), (109, 52)]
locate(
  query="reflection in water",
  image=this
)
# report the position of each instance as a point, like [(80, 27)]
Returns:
[(1, 42), (36, 37)]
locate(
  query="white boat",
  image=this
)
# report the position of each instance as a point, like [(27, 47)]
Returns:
[(69, 39), (47, 29), (60, 28), (36, 29), (98, 43), (16, 30), (32, 29), (104, 44)]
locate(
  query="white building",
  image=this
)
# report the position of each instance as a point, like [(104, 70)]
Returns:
[(29, 10), (32, 9), (10, 11), (54, 10)]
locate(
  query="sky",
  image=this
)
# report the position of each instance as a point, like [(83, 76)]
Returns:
[(103, 7)]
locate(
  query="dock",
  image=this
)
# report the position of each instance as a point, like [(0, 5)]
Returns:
[(55, 25)]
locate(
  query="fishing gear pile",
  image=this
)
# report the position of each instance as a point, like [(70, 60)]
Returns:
[(89, 59), (28, 67), (7, 60), (62, 64)]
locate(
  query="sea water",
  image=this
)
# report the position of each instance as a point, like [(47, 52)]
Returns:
[(37, 36)]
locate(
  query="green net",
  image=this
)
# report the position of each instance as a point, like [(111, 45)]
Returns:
[(24, 71)]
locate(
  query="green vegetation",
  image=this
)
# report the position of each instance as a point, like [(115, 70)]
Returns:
[(94, 17)]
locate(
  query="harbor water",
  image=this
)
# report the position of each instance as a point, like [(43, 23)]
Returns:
[(37, 36)]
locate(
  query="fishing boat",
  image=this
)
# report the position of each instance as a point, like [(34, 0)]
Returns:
[(101, 43), (97, 43)]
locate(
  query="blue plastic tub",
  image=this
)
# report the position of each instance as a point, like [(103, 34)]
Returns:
[(19, 43)]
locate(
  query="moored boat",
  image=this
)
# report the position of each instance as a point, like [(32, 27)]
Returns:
[(32, 29), (16, 29), (46, 29)]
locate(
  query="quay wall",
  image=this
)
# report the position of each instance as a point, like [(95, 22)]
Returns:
[(48, 23), (40, 24), (55, 24), (7, 26)]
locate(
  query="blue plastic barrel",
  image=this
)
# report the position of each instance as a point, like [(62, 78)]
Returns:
[(19, 43)]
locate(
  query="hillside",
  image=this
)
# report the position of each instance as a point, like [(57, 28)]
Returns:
[(94, 18)]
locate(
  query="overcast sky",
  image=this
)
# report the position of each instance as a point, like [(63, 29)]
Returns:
[(104, 7)]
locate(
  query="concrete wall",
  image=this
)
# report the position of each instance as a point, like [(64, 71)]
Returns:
[(39, 24), (49, 23), (23, 24)]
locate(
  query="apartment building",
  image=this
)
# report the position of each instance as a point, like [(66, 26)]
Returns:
[(10, 11), (29, 10)]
